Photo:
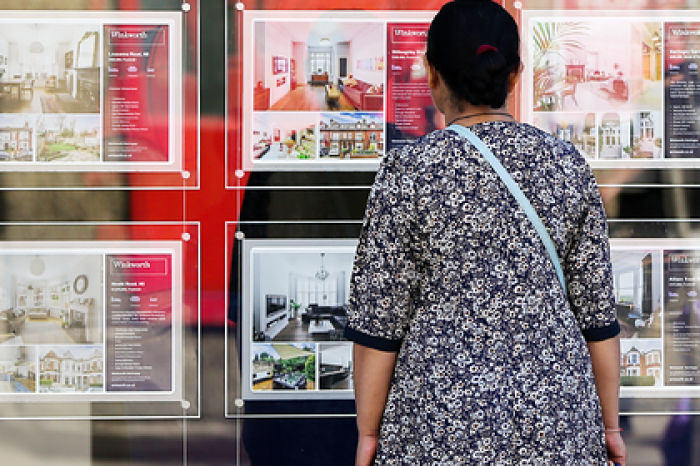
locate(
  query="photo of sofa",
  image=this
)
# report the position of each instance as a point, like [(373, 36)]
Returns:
[(363, 95)]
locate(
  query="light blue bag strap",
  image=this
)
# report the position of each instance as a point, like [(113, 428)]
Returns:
[(518, 194)]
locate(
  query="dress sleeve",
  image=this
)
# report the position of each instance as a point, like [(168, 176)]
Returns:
[(588, 268), (384, 273)]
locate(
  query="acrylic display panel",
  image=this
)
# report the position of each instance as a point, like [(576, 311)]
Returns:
[(104, 98), (111, 324), (287, 352), (620, 89), (355, 87)]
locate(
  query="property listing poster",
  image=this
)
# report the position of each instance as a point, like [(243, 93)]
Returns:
[(624, 91), (294, 313), (332, 91), (81, 92), (86, 324), (657, 284), (295, 301)]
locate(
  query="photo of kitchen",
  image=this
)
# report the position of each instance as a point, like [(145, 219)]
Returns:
[(285, 136), (577, 128), (18, 369), (68, 138), (51, 299), (318, 65), (284, 366), (71, 369), (300, 295), (335, 370), (49, 68)]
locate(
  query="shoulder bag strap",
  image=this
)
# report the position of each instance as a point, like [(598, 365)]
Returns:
[(519, 196)]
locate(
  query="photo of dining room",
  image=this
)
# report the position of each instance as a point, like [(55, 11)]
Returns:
[(638, 281), (318, 65), (300, 295), (68, 138), (17, 138), (284, 136), (51, 299), (577, 128), (590, 65), (335, 369), (49, 68), (283, 366)]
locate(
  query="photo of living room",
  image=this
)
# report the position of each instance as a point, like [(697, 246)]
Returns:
[(596, 65), (68, 138), (49, 68), (335, 370), (51, 299), (17, 138), (18, 369), (319, 65), (284, 366), (577, 128), (353, 135), (638, 279), (284, 136), (300, 295), (71, 369)]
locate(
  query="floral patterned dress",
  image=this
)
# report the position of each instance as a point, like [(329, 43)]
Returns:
[(493, 366)]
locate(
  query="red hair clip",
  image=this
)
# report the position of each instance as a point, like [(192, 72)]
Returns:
[(485, 48)]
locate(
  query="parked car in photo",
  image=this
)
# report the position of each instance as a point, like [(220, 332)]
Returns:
[(5, 155)]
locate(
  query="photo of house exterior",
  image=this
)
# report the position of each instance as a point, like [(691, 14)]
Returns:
[(637, 363), (352, 135), (72, 370), (16, 141)]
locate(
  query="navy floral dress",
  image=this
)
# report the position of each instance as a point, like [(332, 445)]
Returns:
[(493, 366)]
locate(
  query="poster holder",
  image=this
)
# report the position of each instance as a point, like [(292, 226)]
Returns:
[(100, 320)]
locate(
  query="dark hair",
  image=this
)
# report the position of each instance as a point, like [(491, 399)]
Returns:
[(455, 35)]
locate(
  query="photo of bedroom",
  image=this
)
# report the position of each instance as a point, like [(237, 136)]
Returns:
[(49, 68), (638, 278), (353, 135), (51, 299), (68, 138), (18, 369), (17, 135), (284, 366), (300, 295), (596, 65), (284, 136), (71, 369), (577, 128), (335, 371), (319, 65)]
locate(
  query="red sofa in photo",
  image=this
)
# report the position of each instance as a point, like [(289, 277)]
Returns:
[(364, 96)]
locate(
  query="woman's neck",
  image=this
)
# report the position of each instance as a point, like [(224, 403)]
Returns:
[(473, 114)]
